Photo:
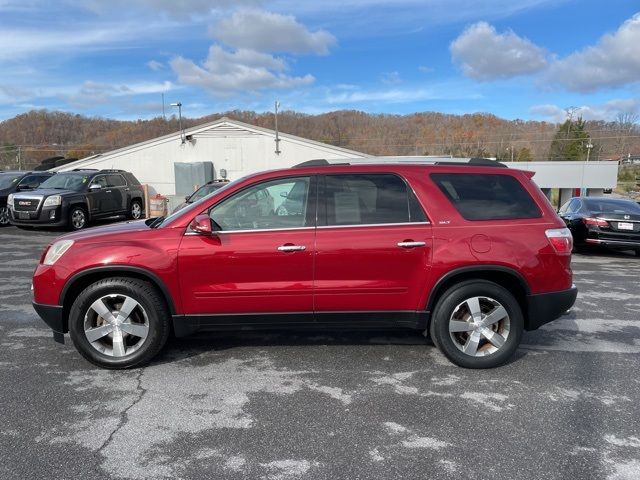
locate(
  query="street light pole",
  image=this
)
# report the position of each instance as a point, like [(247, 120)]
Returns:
[(277, 105), (179, 105), (589, 147)]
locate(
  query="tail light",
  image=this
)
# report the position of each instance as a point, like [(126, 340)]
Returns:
[(595, 221), (561, 240)]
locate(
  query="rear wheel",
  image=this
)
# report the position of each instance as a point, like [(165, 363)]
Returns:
[(77, 218), (4, 216), (477, 324), (119, 323), (135, 212)]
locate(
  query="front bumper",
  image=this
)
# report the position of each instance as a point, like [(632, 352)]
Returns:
[(42, 217), (546, 307), (52, 316)]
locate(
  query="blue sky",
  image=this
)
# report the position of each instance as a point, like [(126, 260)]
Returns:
[(528, 59)]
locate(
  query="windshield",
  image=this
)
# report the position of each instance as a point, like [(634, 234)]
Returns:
[(66, 181), (613, 206), (195, 205), (8, 179)]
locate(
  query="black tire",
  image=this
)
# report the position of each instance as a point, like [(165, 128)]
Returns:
[(148, 299), (452, 300), (135, 210), (78, 218), (4, 216)]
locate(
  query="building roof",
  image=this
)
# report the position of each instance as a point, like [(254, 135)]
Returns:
[(223, 125)]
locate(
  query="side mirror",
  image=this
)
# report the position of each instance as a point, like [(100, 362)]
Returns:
[(94, 186), (21, 188), (201, 224)]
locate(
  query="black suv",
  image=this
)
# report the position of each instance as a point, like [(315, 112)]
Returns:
[(11, 182), (73, 199)]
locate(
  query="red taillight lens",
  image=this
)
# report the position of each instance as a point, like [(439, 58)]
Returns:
[(595, 221), (561, 240)]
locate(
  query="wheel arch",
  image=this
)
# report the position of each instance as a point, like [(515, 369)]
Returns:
[(506, 277), (83, 279)]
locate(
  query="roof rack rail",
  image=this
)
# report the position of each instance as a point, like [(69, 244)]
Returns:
[(111, 170), (475, 161), (84, 170)]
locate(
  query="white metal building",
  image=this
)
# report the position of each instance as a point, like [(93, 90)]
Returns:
[(240, 149), (230, 145)]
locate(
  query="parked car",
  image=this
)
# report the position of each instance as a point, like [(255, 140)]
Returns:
[(11, 182), (472, 254), (74, 199), (605, 221), (200, 193)]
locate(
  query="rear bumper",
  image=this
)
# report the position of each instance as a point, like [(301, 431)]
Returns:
[(52, 316), (546, 307), (623, 244)]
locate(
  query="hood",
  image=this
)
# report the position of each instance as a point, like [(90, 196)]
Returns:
[(44, 192), (106, 233)]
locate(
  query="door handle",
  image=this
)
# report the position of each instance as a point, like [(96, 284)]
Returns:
[(291, 248), (108, 191), (411, 244)]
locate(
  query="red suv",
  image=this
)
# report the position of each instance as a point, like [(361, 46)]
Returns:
[(469, 252)]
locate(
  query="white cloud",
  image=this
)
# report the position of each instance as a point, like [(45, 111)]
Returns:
[(20, 43), (180, 9), (485, 54), (225, 72), (607, 111), (391, 78), (94, 93), (612, 62), (396, 96), (270, 32), (155, 65)]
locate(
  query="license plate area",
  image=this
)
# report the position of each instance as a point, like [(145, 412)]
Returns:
[(24, 215), (625, 226)]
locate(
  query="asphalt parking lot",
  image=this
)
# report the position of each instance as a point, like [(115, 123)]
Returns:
[(326, 405)]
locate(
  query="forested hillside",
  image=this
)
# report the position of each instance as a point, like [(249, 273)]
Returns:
[(28, 138)]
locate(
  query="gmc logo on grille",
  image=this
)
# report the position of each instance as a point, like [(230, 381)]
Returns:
[(25, 204)]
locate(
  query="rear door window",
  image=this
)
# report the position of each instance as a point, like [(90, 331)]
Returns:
[(487, 196), (369, 199), (116, 181)]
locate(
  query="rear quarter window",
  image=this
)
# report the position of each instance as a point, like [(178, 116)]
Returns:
[(487, 196)]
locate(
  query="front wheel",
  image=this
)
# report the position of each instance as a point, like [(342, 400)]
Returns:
[(477, 324), (77, 218), (119, 323)]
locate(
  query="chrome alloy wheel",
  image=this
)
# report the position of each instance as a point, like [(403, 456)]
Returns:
[(116, 325), (4, 215), (136, 211), (78, 219), (479, 326)]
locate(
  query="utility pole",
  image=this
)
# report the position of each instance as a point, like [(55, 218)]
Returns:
[(179, 105), (163, 115), (19, 158), (277, 105), (589, 147)]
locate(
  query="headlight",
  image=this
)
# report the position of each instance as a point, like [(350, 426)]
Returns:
[(56, 251), (53, 201), (10, 200)]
